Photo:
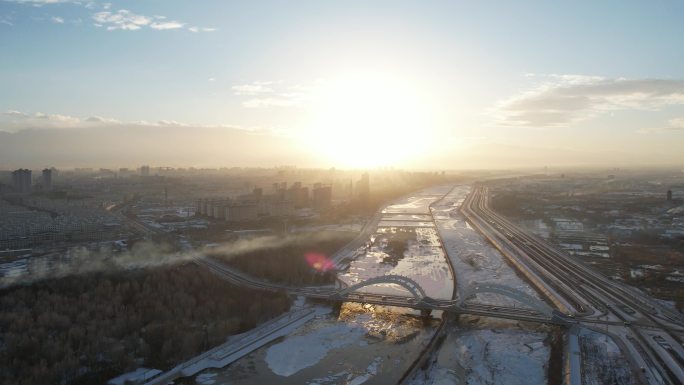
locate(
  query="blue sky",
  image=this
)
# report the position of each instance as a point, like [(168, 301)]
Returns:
[(599, 81)]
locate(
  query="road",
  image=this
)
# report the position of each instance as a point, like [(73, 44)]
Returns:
[(341, 255), (649, 332), (238, 346)]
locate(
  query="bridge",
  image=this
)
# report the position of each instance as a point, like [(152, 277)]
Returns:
[(407, 283), (534, 310)]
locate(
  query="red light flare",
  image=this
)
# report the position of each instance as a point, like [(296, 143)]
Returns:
[(319, 262)]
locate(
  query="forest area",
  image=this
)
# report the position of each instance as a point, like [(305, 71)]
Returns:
[(288, 261), (89, 328)]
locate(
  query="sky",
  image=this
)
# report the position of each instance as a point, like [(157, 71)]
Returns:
[(413, 84)]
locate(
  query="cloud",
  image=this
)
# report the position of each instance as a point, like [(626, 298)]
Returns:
[(15, 113), (6, 20), (112, 20), (561, 100), (203, 29), (273, 94), (676, 124), (269, 102), (15, 121), (40, 3), (120, 20), (57, 118), (255, 88), (99, 119), (126, 20), (18, 120), (23, 118), (166, 25)]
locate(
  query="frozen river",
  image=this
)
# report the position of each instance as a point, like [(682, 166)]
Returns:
[(376, 345), (406, 243), (364, 344)]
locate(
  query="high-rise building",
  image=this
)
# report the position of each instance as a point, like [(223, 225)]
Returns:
[(298, 195), (47, 179), (322, 196), (145, 170), (669, 195), (363, 187), (22, 180)]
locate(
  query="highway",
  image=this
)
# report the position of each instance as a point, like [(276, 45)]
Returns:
[(648, 331)]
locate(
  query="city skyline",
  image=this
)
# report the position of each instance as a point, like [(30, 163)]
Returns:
[(410, 85)]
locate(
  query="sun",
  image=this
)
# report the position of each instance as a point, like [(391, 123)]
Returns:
[(365, 120)]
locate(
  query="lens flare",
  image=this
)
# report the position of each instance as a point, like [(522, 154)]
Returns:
[(319, 261)]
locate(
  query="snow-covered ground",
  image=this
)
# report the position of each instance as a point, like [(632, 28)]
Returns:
[(418, 203), (489, 356), (310, 345), (473, 258), (362, 346), (602, 360), (393, 223)]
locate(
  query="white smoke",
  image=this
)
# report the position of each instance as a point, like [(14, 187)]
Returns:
[(147, 254)]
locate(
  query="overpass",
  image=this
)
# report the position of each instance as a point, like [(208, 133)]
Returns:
[(534, 310)]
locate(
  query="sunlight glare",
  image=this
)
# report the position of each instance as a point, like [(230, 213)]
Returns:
[(369, 120)]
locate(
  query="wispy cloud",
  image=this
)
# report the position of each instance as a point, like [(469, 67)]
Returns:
[(40, 3), (122, 19), (561, 100), (676, 124), (126, 20), (203, 29), (15, 114), (15, 120), (270, 102), (40, 119), (105, 16), (162, 25), (255, 88), (6, 20), (273, 94)]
